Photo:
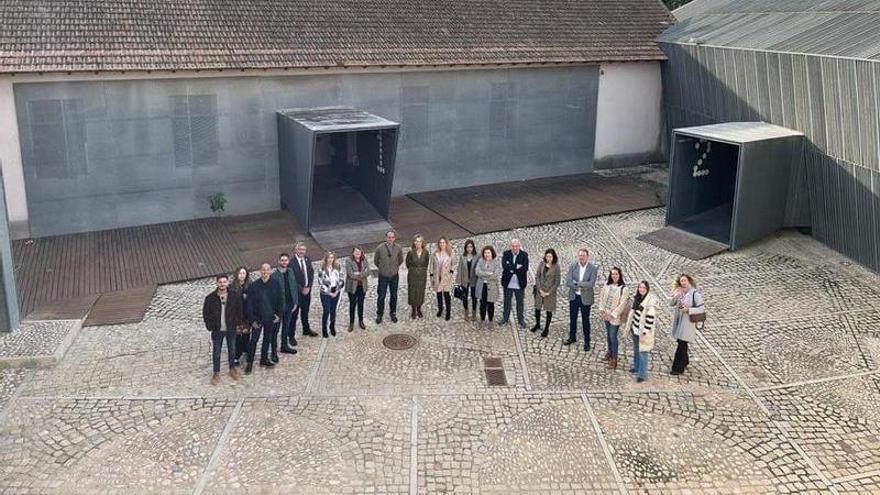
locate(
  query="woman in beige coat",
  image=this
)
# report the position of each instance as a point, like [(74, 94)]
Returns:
[(612, 303), (441, 273), (547, 280), (488, 271)]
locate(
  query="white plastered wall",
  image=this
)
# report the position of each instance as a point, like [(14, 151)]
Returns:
[(629, 114), (10, 157)]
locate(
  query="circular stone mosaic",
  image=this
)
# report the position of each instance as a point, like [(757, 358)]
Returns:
[(399, 341)]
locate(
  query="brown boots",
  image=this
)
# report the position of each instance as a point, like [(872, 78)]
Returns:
[(215, 380), (612, 363)]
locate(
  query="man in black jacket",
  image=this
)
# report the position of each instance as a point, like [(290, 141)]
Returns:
[(514, 274), (264, 309), (222, 313), (305, 279)]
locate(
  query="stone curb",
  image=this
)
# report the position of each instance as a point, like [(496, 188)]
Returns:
[(47, 361)]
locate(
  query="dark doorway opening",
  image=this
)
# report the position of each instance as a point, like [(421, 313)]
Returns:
[(704, 187), (343, 192)]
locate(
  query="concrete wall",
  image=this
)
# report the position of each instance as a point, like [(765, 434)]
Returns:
[(629, 117), (835, 102), (118, 162)]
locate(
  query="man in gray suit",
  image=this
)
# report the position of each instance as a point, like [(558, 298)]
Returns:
[(580, 280)]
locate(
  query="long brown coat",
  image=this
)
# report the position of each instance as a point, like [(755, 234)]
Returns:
[(416, 277), (547, 282), (441, 275)]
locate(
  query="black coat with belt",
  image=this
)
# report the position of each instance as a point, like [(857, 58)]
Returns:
[(212, 307), (509, 269)]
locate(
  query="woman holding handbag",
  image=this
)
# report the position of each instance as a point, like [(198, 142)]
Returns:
[(640, 323), (688, 316), (440, 270), (547, 280)]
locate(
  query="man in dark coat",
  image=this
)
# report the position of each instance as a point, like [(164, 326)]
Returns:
[(290, 289), (514, 275), (305, 280), (222, 314), (264, 309)]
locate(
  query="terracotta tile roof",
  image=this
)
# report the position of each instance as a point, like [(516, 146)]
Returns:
[(104, 35)]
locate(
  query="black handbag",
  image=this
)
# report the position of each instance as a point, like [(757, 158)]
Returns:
[(459, 292)]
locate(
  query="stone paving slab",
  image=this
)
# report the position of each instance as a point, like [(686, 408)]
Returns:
[(11, 380), (108, 446), (788, 351), (158, 358), (712, 442), (836, 422), (37, 343), (509, 444), (315, 446)]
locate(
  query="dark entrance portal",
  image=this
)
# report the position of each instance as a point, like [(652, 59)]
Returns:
[(337, 169)]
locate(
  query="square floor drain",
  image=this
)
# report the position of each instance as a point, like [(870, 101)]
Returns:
[(492, 362), (496, 378)]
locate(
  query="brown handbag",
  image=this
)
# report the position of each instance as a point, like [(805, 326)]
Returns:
[(697, 317)]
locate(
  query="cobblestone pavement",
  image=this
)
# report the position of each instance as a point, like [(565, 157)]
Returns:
[(780, 395)]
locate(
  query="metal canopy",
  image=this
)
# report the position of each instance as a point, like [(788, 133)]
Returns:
[(729, 182), (336, 119)]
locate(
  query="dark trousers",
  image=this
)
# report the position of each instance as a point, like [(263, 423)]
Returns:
[(241, 344), (255, 337), (681, 360), (217, 340), (305, 300), (444, 299), (486, 307), (329, 312), (286, 323), (356, 303), (575, 306), (387, 284), (472, 291), (509, 294)]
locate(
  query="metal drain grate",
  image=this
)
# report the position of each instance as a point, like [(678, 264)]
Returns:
[(492, 362), (496, 378), (399, 341)]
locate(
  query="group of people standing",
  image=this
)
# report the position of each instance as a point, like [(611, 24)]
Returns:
[(240, 311)]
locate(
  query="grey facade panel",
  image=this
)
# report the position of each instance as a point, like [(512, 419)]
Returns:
[(867, 107), (447, 138), (817, 108), (849, 114)]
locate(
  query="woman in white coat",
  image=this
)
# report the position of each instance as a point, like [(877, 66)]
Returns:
[(686, 301), (641, 321)]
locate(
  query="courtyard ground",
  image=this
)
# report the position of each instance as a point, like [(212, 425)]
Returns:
[(780, 397)]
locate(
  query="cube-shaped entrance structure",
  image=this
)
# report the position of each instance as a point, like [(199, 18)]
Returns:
[(729, 182), (337, 166)]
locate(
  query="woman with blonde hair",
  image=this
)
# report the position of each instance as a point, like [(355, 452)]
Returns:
[(417, 275), (441, 271), (331, 280), (688, 314), (640, 322)]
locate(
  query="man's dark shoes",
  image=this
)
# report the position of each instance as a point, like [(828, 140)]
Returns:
[(379, 320), (569, 342), (361, 325), (393, 318), (333, 331), (266, 364), (310, 333), (288, 350), (249, 368), (274, 357)]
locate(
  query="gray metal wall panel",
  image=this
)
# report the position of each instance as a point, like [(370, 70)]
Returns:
[(775, 90), (876, 165), (848, 226), (866, 226), (816, 191), (816, 100), (831, 99), (849, 116), (10, 317), (762, 76), (131, 177), (875, 193), (867, 114), (802, 100), (762, 187), (787, 84)]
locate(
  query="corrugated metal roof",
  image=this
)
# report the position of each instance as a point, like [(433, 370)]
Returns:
[(738, 132), (843, 28)]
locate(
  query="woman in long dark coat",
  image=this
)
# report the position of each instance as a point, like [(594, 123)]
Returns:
[(417, 275), (239, 282)]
